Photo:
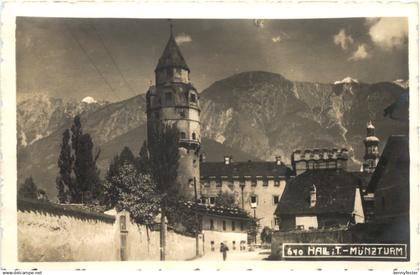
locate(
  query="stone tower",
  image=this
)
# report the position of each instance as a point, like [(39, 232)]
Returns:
[(174, 100), (371, 142)]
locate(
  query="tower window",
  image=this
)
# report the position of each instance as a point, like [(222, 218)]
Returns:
[(183, 135), (212, 200), (211, 224), (193, 98), (224, 225), (194, 136), (275, 199), (233, 226)]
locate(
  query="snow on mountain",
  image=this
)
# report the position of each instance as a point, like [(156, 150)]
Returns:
[(89, 100), (402, 83), (347, 79)]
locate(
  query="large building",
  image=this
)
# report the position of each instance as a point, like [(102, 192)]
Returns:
[(174, 100)]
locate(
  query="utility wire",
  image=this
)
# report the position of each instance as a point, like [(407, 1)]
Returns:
[(112, 58), (90, 59)]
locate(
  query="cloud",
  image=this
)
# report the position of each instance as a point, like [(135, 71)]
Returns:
[(343, 40), (276, 39), (259, 23), (389, 33), (183, 38), (360, 53)]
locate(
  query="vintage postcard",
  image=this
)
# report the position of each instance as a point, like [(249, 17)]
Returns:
[(174, 135)]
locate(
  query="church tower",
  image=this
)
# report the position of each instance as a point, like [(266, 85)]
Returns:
[(174, 100), (371, 142)]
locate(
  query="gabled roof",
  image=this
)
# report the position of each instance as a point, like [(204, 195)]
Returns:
[(396, 147), (172, 56), (335, 193), (242, 169)]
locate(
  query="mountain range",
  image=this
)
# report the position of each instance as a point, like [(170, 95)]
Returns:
[(251, 116)]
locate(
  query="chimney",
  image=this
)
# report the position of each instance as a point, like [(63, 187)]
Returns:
[(228, 160), (278, 160)]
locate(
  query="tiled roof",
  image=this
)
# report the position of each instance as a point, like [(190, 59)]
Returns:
[(335, 193), (217, 211), (363, 177), (396, 147), (242, 169), (172, 56)]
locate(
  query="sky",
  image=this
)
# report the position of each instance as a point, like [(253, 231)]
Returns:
[(114, 59)]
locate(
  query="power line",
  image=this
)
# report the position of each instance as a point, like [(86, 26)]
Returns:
[(112, 58), (89, 58)]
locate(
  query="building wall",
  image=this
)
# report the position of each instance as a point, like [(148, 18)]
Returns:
[(234, 241), (49, 232), (47, 236), (264, 192)]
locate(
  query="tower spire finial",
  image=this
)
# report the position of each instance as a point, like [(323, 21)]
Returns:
[(171, 27)]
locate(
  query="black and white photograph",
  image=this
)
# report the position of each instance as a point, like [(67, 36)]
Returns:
[(195, 139)]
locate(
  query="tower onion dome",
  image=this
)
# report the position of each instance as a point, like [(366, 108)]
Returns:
[(172, 56), (370, 136)]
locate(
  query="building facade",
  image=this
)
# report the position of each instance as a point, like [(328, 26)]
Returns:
[(173, 100), (257, 186), (316, 159)]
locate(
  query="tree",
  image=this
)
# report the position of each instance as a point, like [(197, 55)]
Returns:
[(111, 187), (143, 161), (137, 194), (164, 156), (65, 163), (28, 189), (266, 234), (86, 186), (225, 199)]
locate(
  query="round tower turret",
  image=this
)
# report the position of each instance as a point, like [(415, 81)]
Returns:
[(174, 100)]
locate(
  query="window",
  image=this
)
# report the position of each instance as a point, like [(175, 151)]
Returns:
[(183, 135), (277, 183), (224, 225), (275, 199), (254, 199), (265, 182), (276, 221), (168, 97), (242, 225), (123, 225), (194, 136), (182, 113), (254, 182), (212, 245), (193, 98), (233, 226), (212, 200), (211, 224), (233, 245), (203, 200)]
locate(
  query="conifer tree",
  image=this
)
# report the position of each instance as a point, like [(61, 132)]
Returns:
[(143, 161), (65, 163), (28, 189)]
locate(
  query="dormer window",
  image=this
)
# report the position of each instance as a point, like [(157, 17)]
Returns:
[(312, 196)]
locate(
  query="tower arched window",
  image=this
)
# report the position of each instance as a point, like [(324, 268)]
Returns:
[(193, 98), (194, 136)]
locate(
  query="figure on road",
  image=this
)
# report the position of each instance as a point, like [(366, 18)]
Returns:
[(224, 249)]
